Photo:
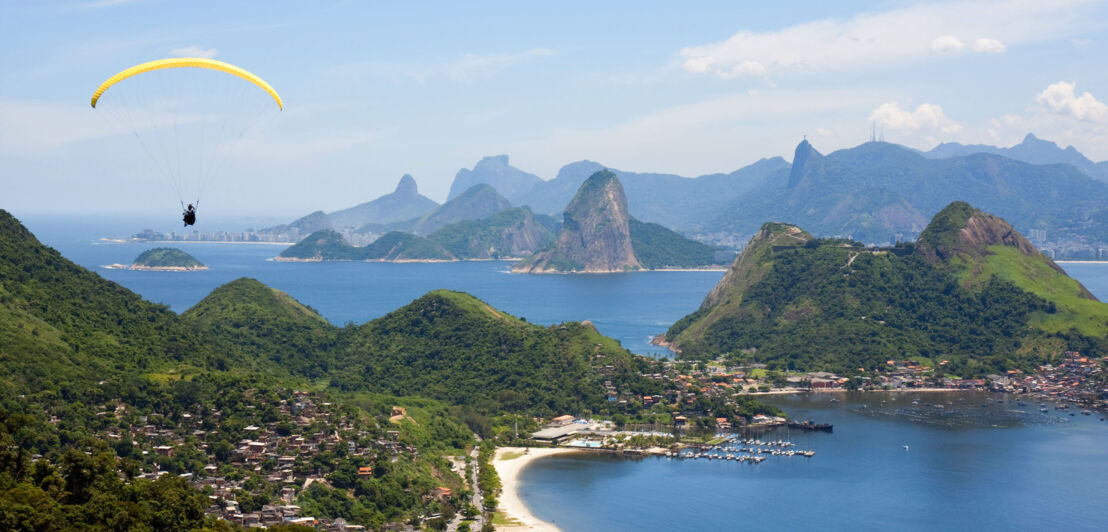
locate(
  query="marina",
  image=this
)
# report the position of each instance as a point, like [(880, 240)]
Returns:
[(746, 450)]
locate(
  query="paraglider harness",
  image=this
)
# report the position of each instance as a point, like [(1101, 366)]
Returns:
[(190, 214)]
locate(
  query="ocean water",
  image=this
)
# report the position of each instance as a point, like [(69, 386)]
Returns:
[(968, 467)]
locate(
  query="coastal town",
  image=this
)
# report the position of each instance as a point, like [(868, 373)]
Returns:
[(266, 451), (706, 394)]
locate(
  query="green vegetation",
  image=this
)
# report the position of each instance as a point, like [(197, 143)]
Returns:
[(450, 345), (658, 247), (1074, 310), (166, 258), (250, 325), (487, 477)]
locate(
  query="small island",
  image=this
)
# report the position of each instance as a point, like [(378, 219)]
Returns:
[(163, 260)]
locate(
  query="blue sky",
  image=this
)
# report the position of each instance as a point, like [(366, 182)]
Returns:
[(376, 90)]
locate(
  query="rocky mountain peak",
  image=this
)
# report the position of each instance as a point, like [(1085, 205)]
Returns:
[(595, 235), (801, 157)]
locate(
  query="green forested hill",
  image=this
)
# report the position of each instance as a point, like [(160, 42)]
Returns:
[(66, 321), (454, 347), (973, 292), (248, 324)]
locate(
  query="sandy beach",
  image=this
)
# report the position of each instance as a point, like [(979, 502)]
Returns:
[(509, 470)]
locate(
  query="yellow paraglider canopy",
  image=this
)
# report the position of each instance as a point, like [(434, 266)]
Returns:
[(187, 62)]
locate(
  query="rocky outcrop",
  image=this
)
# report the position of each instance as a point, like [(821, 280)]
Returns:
[(801, 157), (595, 236)]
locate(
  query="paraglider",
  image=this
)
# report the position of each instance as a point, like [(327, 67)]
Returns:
[(190, 215), (189, 115)]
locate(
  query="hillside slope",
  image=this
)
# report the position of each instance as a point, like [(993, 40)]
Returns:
[(63, 321), (454, 347)]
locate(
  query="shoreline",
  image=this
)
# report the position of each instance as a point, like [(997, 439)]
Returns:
[(511, 504)]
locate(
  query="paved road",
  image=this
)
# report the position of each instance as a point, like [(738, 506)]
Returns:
[(478, 521)]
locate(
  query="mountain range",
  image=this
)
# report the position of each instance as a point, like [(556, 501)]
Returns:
[(879, 192), (875, 192)]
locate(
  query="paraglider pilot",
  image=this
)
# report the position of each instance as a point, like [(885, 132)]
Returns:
[(190, 215)]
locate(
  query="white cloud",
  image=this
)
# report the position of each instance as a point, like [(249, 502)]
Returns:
[(926, 117), (950, 43), (947, 43), (988, 46), (194, 51), (897, 36), (1062, 98)]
